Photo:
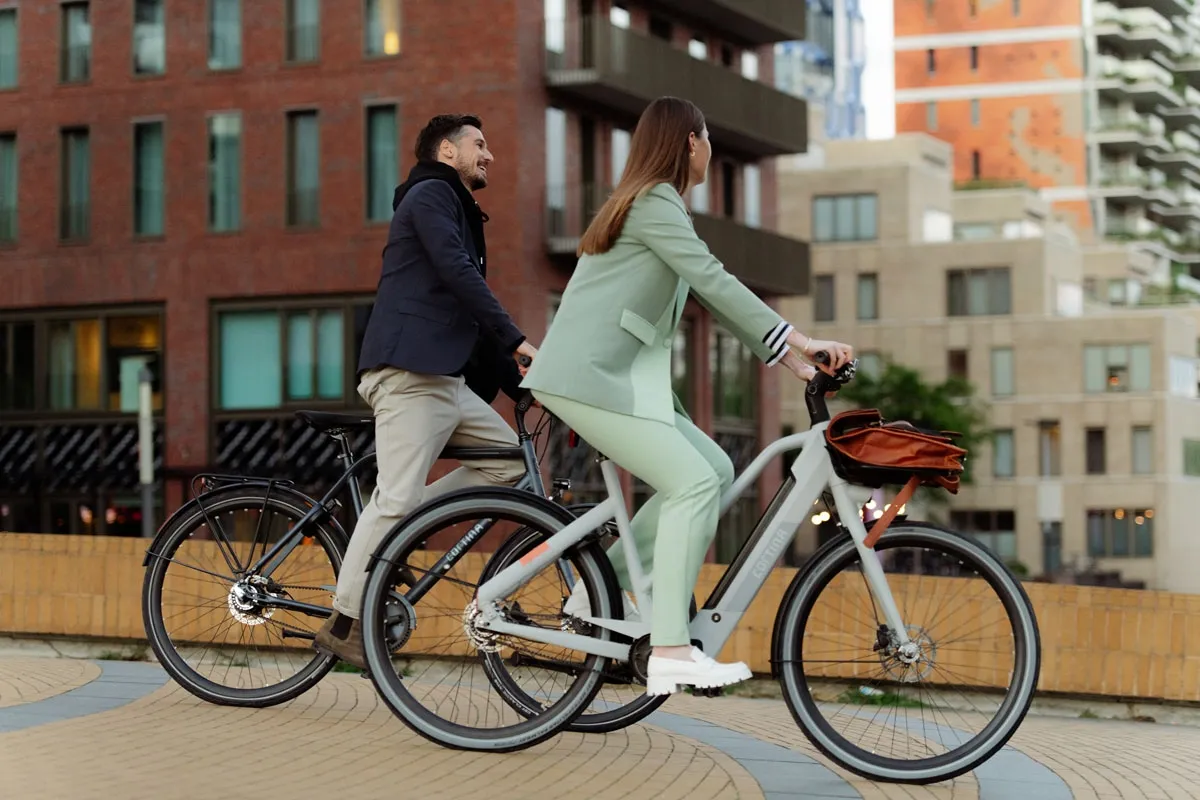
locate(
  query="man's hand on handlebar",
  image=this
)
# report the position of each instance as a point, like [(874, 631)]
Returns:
[(524, 356)]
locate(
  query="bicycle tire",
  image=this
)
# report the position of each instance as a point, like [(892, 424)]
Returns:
[(409, 535), (793, 616), (253, 498)]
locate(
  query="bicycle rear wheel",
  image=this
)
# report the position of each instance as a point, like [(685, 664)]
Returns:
[(429, 669), (918, 716), (204, 618)]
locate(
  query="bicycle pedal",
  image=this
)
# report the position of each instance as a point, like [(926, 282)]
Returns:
[(715, 691)]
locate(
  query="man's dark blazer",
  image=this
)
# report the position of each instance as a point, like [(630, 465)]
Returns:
[(434, 312)]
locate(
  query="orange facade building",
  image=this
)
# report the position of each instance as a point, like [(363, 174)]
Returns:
[(1088, 102)]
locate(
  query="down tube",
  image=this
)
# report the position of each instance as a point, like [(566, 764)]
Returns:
[(713, 626)]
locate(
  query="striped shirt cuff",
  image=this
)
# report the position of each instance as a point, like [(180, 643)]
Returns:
[(776, 339)]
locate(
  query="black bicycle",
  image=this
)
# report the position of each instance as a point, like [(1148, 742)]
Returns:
[(238, 580)]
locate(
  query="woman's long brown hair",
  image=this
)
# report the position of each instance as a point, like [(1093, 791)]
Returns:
[(658, 152)]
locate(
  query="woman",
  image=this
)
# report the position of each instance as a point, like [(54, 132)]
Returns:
[(605, 370)]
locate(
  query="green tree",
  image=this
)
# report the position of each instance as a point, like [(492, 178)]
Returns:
[(900, 393)]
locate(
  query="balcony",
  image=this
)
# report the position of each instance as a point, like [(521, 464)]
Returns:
[(1189, 69), (1128, 184), (1126, 131), (747, 22), (1166, 8), (1144, 82), (1135, 31), (1184, 212), (594, 62), (767, 262), (1186, 115)]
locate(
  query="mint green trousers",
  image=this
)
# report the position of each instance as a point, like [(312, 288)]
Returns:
[(673, 529)]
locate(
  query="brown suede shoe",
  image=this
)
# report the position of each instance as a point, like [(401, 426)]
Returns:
[(341, 636)]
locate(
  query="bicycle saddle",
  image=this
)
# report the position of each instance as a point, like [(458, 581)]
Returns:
[(329, 421)]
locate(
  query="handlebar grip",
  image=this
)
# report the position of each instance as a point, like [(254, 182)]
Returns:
[(524, 360)]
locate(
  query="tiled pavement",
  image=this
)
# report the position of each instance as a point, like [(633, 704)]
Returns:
[(75, 729)]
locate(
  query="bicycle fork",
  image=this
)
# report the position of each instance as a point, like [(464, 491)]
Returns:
[(849, 499)]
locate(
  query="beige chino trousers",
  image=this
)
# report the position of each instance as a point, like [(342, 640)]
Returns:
[(416, 416)]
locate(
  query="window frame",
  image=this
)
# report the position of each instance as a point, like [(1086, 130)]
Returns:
[(291, 120), (857, 202), (1108, 515), (368, 110), (1011, 470), (64, 47), (133, 61), (43, 319), (9, 138), (16, 54), (282, 307), (1128, 386), (161, 122), (366, 30), (819, 314), (861, 280), (210, 191), (289, 27), (1095, 451), (965, 274), (210, 32), (65, 234)]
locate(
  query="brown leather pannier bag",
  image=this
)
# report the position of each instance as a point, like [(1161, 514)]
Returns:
[(868, 451), (873, 452)]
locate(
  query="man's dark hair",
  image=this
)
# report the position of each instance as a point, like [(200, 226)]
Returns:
[(443, 126)]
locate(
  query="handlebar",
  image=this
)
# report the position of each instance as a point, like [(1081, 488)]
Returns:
[(823, 383)]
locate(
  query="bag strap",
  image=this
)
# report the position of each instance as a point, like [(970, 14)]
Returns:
[(898, 502)]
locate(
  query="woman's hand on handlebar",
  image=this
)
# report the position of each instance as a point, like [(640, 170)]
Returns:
[(839, 354), (798, 367)]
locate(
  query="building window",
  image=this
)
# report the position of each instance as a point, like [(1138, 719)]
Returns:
[(271, 357), (930, 62), (698, 48), (1116, 368), (1094, 451), (1120, 533), (382, 30), (1191, 457), (995, 530), (1049, 448), (148, 179), (823, 298), (728, 190), (8, 48), (956, 364), (973, 7), (975, 167), (979, 292), (225, 171), (929, 8), (975, 115), (620, 154), (383, 161), (556, 171), (149, 38), (303, 30), (931, 116), (734, 373), (974, 58), (76, 63), (1051, 547), (1142, 451), (18, 356), (303, 169), (1003, 453), (8, 187), (90, 363), (1016, 8), (75, 211), (845, 218), (752, 192), (224, 34), (868, 296), (1003, 373), (734, 380)]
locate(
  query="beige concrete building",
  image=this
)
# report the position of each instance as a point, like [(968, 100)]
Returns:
[(1090, 382)]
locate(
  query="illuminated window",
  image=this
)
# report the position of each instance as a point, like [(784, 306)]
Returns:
[(382, 27)]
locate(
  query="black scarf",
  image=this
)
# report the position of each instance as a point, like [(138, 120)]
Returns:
[(436, 170)]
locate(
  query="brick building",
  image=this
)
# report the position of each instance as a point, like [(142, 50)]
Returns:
[(205, 188)]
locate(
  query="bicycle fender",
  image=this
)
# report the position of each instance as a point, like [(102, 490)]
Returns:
[(297, 497)]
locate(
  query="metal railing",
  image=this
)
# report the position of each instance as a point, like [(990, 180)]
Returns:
[(625, 69)]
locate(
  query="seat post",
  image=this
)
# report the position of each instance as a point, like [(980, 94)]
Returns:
[(346, 455)]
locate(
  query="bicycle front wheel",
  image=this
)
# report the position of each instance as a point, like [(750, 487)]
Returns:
[(426, 652), (921, 714)]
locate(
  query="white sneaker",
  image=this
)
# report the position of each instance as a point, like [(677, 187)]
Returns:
[(665, 675), (578, 604)]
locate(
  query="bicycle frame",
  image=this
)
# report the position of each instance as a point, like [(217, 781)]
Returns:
[(811, 472), (266, 565)]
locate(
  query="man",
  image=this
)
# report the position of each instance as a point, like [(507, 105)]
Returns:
[(437, 347)]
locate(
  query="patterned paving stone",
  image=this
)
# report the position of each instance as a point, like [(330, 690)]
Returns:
[(27, 680)]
